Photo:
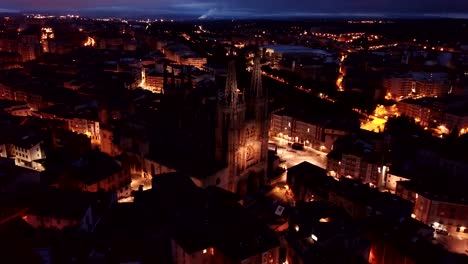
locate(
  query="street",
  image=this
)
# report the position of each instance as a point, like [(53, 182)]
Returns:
[(291, 157), (453, 243), (137, 180), (376, 124)]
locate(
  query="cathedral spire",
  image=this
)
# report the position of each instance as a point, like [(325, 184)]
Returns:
[(231, 92), (256, 90)]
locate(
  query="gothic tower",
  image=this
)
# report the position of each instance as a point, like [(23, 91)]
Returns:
[(261, 109), (230, 118), (258, 121), (242, 138)]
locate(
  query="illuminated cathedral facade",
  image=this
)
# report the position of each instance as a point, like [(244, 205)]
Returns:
[(241, 134)]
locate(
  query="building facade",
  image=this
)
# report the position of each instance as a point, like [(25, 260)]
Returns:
[(155, 82), (445, 212), (398, 86), (439, 211), (363, 167), (456, 120), (423, 83), (423, 114), (316, 135), (211, 255), (241, 133), (183, 55), (28, 151), (89, 128)]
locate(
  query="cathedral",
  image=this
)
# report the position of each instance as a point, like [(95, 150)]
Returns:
[(241, 133), (216, 140)]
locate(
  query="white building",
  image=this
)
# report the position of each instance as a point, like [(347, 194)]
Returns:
[(432, 84), (3, 151), (183, 55), (28, 152), (391, 181)]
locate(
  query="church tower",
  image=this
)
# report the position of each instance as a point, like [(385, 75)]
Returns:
[(230, 118), (242, 132), (262, 118)]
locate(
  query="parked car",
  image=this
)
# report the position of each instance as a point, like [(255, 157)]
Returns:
[(297, 146)]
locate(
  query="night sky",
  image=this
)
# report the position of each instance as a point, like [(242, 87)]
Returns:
[(248, 7)]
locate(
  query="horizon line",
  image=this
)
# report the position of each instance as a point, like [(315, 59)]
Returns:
[(245, 15)]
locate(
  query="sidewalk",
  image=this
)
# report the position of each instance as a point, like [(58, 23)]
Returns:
[(291, 157)]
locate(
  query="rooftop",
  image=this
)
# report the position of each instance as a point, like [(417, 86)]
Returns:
[(296, 49), (202, 218), (438, 191), (446, 101), (413, 239), (383, 203), (27, 141), (320, 217), (354, 145), (62, 204), (94, 166), (306, 168), (328, 119), (130, 233), (429, 76)]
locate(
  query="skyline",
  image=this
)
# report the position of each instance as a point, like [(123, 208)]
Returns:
[(249, 9), (233, 132)]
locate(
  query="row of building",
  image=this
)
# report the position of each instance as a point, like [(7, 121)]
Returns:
[(413, 171), (396, 228), (312, 130), (183, 223), (182, 54), (448, 113), (40, 146), (430, 84)]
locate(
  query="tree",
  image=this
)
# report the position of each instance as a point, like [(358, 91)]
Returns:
[(403, 126), (453, 136)]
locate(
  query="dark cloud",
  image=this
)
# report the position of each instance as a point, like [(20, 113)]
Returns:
[(250, 6)]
